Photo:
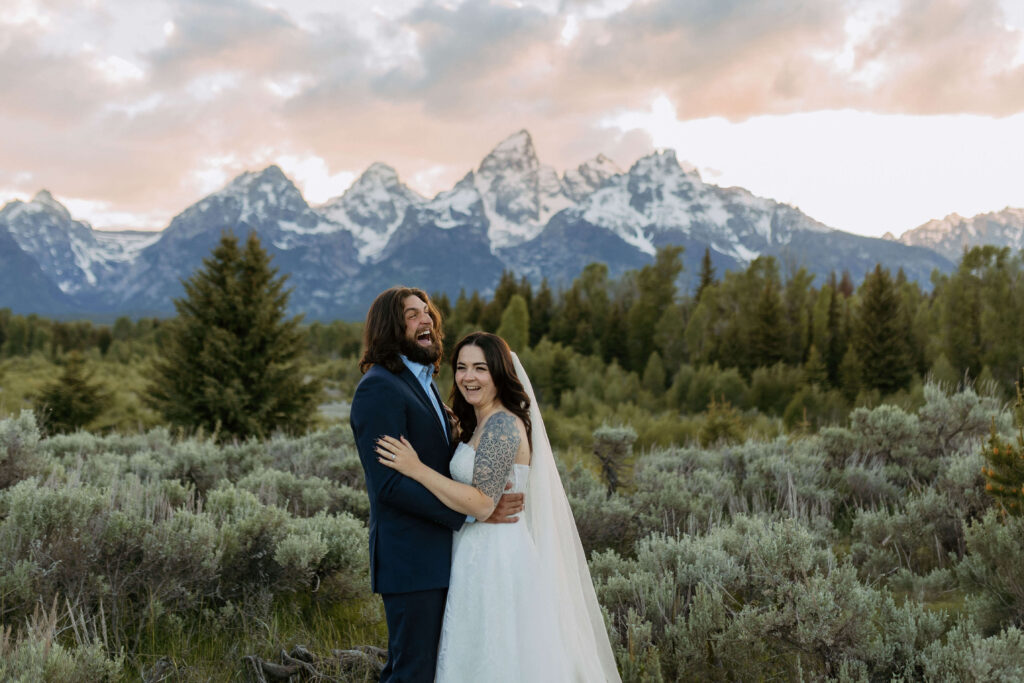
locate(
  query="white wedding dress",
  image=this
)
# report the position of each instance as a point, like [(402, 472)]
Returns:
[(521, 603), (500, 621)]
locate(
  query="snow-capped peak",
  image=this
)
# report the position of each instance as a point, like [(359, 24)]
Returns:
[(372, 208), (589, 176), (270, 180), (518, 193), (514, 154), (43, 198), (952, 234)]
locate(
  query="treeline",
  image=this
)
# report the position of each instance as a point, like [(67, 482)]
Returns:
[(23, 335), (864, 343), (779, 342)]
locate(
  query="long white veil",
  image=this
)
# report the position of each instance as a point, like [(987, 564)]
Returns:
[(551, 524)]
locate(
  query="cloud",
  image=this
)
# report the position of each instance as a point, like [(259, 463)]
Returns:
[(145, 106)]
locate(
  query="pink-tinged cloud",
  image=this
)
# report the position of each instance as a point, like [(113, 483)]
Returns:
[(144, 107)]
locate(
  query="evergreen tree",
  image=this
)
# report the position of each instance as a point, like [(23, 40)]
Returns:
[(798, 309), (670, 337), (880, 334), (507, 287), (707, 274), (614, 344), (942, 371), (656, 290), (1004, 470), (73, 400), (835, 346), (655, 377), (231, 363), (515, 324), (541, 311), (846, 285), (850, 372), (104, 339), (815, 371), (767, 337)]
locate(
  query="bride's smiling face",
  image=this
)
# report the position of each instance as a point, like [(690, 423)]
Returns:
[(473, 378)]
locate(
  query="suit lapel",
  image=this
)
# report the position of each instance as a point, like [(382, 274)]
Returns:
[(447, 424), (417, 389)]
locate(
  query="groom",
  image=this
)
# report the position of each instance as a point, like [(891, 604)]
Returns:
[(410, 529)]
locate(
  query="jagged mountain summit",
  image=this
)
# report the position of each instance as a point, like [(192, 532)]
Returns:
[(951, 235), (510, 212)]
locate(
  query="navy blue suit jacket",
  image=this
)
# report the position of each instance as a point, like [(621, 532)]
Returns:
[(410, 529)]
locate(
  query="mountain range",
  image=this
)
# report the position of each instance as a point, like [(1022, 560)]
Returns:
[(951, 235), (510, 213)]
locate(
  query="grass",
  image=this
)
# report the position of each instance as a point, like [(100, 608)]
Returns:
[(211, 647)]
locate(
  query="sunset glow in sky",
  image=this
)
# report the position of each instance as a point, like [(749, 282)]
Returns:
[(869, 115)]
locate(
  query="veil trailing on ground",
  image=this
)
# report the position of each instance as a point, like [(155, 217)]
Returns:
[(551, 524)]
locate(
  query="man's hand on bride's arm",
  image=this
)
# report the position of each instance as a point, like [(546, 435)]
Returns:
[(508, 505), (398, 454)]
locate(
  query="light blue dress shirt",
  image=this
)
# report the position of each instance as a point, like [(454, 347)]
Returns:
[(425, 376)]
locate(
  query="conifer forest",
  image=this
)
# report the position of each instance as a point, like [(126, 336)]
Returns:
[(774, 478)]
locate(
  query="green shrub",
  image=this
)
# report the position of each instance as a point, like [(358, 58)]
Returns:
[(992, 570), (19, 443)]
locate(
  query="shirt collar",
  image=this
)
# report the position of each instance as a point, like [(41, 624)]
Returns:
[(417, 369)]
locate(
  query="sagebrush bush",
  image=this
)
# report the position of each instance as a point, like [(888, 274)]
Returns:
[(142, 534), (19, 456), (868, 551)]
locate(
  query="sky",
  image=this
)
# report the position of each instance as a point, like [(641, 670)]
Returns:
[(869, 115)]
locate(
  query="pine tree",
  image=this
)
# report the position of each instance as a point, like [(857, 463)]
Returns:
[(656, 290), (231, 363), (1004, 470), (515, 324), (880, 334), (846, 285), (850, 372), (541, 309), (835, 347), (707, 274), (73, 400), (815, 371), (767, 337)]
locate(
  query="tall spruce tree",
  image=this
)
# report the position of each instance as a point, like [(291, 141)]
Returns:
[(707, 274), (73, 400), (767, 334), (880, 334), (231, 362)]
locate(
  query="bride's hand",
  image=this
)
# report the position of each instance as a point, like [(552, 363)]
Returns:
[(397, 454)]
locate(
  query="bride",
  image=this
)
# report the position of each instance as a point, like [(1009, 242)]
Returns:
[(521, 605)]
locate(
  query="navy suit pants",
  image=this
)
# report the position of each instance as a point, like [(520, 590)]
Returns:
[(414, 631)]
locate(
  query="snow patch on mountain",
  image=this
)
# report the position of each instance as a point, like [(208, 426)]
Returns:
[(456, 206), (372, 208), (951, 235), (519, 194)]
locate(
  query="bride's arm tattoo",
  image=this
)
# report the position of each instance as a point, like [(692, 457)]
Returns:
[(495, 455)]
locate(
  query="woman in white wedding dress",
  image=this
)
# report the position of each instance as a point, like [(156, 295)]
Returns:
[(521, 605)]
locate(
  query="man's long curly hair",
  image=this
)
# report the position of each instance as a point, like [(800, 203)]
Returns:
[(384, 331)]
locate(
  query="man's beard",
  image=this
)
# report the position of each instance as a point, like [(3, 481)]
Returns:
[(424, 355)]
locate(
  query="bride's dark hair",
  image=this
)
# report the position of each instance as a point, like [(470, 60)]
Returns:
[(510, 390)]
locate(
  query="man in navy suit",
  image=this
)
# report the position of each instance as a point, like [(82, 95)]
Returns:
[(410, 529)]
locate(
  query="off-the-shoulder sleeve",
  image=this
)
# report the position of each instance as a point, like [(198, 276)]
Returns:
[(495, 455)]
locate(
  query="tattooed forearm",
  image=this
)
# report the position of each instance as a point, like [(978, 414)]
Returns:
[(495, 455)]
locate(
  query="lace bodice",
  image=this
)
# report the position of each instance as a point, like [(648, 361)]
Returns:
[(462, 469)]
